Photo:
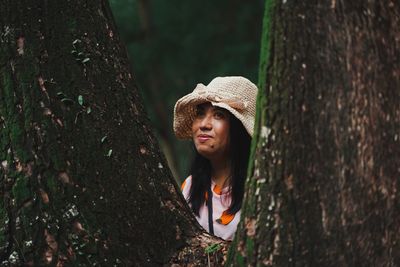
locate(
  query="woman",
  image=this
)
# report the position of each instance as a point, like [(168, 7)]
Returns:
[(219, 118)]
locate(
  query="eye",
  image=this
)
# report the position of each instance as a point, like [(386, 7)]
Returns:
[(219, 115), (199, 111)]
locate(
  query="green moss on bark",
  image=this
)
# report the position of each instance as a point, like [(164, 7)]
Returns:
[(242, 251)]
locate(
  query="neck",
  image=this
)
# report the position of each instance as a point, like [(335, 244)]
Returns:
[(220, 171)]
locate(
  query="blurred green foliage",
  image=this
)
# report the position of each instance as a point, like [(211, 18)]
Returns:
[(175, 44)]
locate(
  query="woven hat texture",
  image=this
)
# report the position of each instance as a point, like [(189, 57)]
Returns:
[(233, 93)]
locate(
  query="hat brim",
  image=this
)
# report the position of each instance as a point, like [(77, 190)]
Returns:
[(184, 114)]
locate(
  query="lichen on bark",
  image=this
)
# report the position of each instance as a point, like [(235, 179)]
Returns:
[(330, 106), (82, 178)]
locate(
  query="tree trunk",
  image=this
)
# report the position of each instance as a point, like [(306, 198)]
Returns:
[(82, 178), (324, 187)]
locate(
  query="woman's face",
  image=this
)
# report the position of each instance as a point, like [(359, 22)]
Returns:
[(210, 131)]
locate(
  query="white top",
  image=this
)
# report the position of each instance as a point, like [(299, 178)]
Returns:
[(224, 224)]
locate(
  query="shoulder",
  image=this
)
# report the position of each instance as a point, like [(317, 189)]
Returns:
[(185, 187), (186, 183)]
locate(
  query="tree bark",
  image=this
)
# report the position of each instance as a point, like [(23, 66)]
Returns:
[(324, 187), (82, 178)]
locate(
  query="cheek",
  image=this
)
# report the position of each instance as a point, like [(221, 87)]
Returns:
[(195, 127), (223, 132)]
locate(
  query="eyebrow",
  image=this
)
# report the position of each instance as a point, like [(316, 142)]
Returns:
[(220, 109)]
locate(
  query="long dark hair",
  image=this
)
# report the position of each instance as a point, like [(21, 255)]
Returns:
[(201, 169)]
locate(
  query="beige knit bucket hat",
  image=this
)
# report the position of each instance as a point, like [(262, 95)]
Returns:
[(234, 93)]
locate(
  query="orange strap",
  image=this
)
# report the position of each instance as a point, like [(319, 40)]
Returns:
[(225, 218), (183, 185)]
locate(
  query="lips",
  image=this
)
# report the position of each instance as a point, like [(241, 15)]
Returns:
[(203, 137)]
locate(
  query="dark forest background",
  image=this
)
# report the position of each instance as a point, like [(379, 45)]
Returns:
[(173, 45)]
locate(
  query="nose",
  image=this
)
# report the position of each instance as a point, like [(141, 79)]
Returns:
[(206, 122)]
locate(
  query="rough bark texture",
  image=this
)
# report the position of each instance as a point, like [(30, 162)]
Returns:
[(82, 179), (324, 187)]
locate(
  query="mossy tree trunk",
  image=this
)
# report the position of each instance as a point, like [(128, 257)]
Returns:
[(82, 178), (324, 187)]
